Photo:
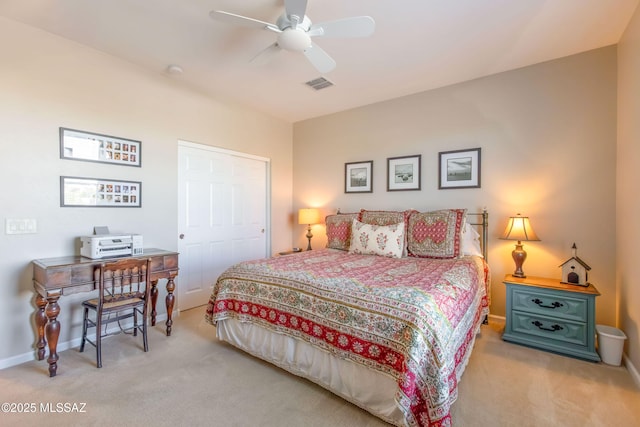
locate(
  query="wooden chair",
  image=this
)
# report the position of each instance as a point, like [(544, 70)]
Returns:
[(124, 287)]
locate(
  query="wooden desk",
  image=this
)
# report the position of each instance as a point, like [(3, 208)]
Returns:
[(54, 277)]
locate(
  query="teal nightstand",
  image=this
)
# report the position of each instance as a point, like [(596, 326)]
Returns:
[(553, 316)]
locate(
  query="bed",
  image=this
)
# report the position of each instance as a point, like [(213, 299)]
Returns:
[(386, 316)]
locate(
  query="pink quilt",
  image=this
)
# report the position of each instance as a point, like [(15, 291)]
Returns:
[(412, 318)]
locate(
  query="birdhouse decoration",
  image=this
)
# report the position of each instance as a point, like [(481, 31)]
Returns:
[(574, 270)]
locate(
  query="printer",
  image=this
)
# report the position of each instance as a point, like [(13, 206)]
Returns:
[(110, 245)]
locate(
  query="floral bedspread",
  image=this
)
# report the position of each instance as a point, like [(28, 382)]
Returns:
[(414, 319)]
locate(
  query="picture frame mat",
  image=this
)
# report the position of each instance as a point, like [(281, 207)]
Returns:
[(358, 177), (404, 173), (459, 169)]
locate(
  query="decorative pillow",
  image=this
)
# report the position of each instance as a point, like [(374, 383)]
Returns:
[(385, 240), (435, 234), (470, 241), (387, 218), (339, 230)]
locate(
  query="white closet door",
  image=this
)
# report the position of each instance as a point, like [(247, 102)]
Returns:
[(222, 216)]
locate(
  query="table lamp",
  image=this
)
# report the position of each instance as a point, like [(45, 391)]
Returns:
[(519, 228), (309, 216)]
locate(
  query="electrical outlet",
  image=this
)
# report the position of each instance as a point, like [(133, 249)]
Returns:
[(21, 226)]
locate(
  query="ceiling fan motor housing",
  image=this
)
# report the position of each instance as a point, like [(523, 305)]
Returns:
[(284, 22)]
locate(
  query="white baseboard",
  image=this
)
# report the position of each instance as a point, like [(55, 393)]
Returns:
[(497, 319), (632, 369), (62, 346)]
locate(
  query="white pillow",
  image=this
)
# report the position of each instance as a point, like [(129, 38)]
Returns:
[(384, 240), (470, 242)]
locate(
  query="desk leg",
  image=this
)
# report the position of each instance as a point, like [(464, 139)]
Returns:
[(154, 300), (170, 299), (41, 321), (52, 330)]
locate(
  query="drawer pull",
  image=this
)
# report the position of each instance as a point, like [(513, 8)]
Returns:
[(553, 328), (555, 304)]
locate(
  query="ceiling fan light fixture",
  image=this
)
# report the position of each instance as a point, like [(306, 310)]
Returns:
[(294, 40)]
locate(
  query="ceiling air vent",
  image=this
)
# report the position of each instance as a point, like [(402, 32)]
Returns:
[(319, 83)]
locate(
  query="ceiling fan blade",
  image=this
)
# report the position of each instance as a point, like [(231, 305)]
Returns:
[(319, 58), (357, 26), (265, 55), (232, 18), (295, 8)]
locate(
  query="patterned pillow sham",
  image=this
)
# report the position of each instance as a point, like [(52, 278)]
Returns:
[(384, 240), (435, 234), (339, 230), (384, 217)]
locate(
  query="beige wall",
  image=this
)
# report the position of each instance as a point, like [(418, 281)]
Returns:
[(628, 204), (547, 133), (548, 139), (47, 82)]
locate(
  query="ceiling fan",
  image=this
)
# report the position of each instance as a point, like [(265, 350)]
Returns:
[(294, 32)]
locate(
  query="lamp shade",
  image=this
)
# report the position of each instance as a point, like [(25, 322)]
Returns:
[(519, 228), (308, 216)]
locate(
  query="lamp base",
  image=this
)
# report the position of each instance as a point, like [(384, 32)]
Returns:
[(519, 255), (309, 236)]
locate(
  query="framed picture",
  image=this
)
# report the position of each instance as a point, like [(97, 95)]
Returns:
[(358, 177), (96, 192), (95, 147), (403, 173), (459, 169)]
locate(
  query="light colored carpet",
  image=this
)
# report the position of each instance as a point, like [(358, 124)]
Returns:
[(191, 378)]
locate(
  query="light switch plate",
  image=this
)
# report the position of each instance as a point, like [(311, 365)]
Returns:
[(21, 226)]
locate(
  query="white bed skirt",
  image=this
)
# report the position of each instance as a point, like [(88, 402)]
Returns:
[(368, 389)]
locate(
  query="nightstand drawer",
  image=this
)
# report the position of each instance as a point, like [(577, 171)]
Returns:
[(550, 304), (549, 328)]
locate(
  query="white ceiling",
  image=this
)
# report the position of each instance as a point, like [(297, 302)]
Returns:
[(417, 45)]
